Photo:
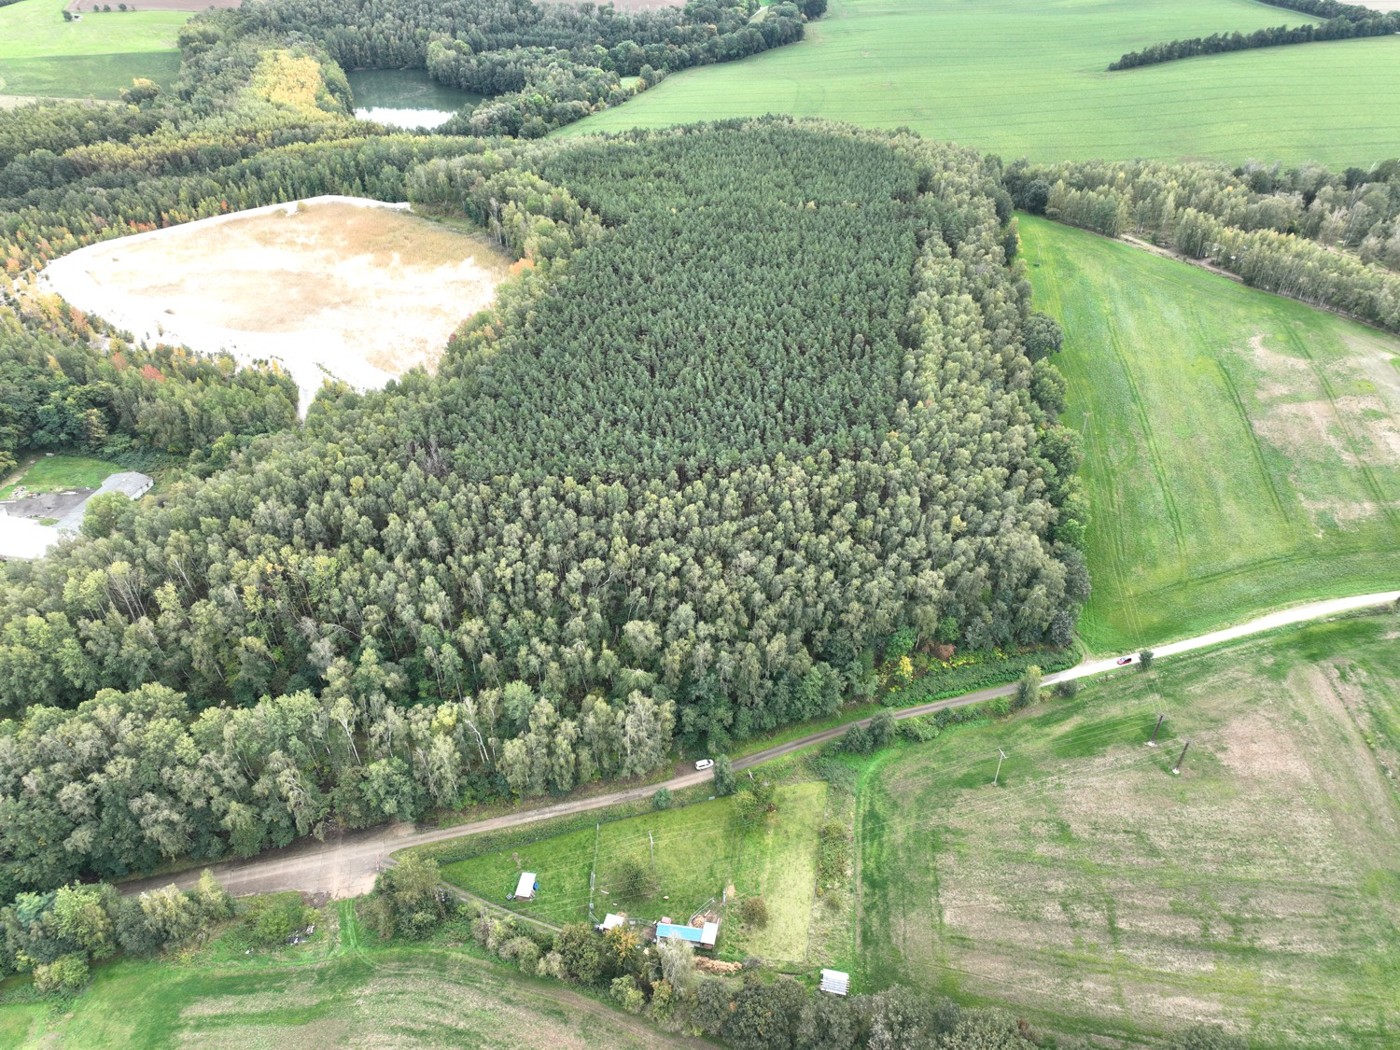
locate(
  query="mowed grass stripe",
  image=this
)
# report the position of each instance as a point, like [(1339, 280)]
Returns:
[(1228, 470), (1255, 448), (1111, 552), (1024, 77)]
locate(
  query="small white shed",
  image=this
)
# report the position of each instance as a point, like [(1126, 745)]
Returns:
[(525, 888), (836, 982)]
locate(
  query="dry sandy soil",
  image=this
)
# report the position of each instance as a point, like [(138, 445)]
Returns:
[(353, 289)]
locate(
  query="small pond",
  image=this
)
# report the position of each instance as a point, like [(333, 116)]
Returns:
[(405, 98)]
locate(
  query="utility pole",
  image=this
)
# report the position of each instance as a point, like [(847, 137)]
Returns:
[(999, 762), (1152, 741), (593, 871), (651, 843), (1176, 769)]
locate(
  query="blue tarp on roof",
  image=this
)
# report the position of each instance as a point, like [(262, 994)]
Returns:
[(685, 933)]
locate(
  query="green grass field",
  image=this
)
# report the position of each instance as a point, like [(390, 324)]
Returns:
[(52, 473), (695, 852), (343, 989), (1027, 77), (1093, 891), (41, 54), (1241, 449)]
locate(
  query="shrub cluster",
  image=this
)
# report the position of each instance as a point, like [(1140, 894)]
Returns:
[(57, 935)]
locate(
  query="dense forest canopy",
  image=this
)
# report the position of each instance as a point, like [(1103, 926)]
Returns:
[(762, 395), (690, 348)]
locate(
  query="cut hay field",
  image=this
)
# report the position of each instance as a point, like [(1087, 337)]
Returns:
[(1027, 77), (1093, 891), (693, 854), (335, 286), (344, 990), (41, 54), (1242, 451)]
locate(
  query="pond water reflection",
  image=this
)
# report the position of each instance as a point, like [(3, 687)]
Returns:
[(405, 98)]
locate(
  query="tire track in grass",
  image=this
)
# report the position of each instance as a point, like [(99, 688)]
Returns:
[(1250, 568), (1353, 441), (1254, 444), (1154, 454)]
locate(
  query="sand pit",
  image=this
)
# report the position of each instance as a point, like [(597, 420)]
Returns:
[(353, 289)]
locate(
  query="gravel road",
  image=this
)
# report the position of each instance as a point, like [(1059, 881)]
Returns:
[(346, 866)]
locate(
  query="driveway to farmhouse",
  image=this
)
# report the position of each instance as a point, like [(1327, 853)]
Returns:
[(346, 865)]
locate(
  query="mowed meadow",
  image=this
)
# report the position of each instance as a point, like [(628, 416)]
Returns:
[(1242, 450), (96, 57), (1028, 78), (343, 988), (1092, 891)]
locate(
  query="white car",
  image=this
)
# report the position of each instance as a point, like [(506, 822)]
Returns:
[(705, 763)]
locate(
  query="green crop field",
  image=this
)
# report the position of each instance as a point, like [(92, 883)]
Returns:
[(693, 855), (1094, 891), (1241, 449), (53, 473), (343, 989), (1027, 77), (41, 54)]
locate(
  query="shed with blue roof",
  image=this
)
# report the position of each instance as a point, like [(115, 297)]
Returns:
[(701, 936)]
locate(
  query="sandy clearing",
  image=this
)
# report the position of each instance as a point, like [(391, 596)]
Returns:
[(1301, 428), (353, 289)]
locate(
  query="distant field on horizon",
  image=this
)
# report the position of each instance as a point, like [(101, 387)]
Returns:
[(1242, 450), (96, 57), (1026, 77)]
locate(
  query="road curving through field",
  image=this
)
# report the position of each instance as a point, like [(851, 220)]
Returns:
[(347, 865)]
